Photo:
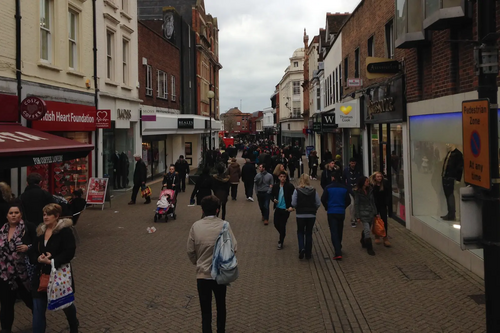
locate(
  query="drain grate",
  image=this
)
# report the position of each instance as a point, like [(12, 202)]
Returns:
[(479, 299), (418, 272)]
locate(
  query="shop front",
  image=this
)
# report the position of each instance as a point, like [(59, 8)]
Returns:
[(154, 154), (348, 118), (385, 116), (331, 138)]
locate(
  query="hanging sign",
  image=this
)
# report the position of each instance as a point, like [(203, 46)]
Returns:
[(33, 108), (103, 119), (96, 191)]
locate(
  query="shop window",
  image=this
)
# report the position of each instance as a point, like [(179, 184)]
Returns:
[(162, 86), (46, 22), (149, 80), (73, 39), (409, 23), (110, 40)]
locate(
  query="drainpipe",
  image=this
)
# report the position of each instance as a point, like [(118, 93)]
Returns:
[(96, 89), (18, 78)]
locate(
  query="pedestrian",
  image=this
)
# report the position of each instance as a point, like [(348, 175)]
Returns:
[(292, 163), (220, 186), (326, 175), (281, 195), (350, 177), (306, 202), (248, 173), (313, 165), (140, 176), (383, 198), (234, 171), (365, 211), (200, 250), (202, 188), (5, 199), (276, 173), (34, 199), (55, 241), (263, 185), (16, 242), (336, 199), (182, 168), (171, 179)]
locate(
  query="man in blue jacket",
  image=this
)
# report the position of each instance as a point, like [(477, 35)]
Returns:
[(336, 199)]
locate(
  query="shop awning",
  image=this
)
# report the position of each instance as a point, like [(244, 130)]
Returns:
[(22, 146)]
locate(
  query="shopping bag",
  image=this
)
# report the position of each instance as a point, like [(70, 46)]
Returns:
[(378, 228), (60, 293), (146, 191)]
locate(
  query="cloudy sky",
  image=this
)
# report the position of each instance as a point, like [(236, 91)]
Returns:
[(256, 40)]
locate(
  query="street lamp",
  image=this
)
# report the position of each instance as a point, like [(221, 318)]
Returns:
[(211, 95)]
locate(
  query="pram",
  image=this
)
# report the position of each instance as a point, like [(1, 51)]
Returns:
[(166, 205)]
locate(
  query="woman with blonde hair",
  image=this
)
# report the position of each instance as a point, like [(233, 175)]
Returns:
[(382, 195), (306, 202), (276, 173), (5, 199)]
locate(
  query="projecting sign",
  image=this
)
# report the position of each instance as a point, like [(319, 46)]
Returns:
[(476, 136), (381, 67), (354, 82)]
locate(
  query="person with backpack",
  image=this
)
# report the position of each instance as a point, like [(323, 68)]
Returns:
[(201, 244)]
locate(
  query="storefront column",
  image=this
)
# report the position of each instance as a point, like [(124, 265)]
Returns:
[(177, 146)]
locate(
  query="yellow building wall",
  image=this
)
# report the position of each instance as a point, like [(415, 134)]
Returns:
[(8, 40)]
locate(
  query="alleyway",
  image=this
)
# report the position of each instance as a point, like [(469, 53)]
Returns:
[(130, 281)]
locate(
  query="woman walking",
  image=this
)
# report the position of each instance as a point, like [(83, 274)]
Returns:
[(234, 171), (16, 239), (382, 196), (55, 241), (277, 171), (365, 211), (202, 187), (281, 195), (306, 202)]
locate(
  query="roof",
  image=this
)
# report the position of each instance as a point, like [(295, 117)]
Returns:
[(335, 22), (234, 111)]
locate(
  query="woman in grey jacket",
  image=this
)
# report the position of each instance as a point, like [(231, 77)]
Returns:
[(365, 211)]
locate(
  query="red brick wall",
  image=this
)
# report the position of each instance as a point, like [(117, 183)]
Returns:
[(161, 55)]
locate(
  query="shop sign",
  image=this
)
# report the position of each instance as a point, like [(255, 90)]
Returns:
[(103, 119), (328, 124), (354, 82), (386, 104), (317, 127), (47, 159), (123, 114), (9, 108), (148, 115), (476, 142), (347, 115), (381, 67), (33, 108), (185, 123), (96, 191), (66, 117)]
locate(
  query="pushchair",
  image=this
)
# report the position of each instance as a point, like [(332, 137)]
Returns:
[(166, 205)]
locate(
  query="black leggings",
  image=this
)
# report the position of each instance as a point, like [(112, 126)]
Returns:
[(8, 300)]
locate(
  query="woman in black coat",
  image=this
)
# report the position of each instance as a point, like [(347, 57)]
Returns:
[(55, 241), (383, 196), (202, 188)]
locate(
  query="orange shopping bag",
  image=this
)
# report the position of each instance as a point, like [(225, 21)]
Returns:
[(378, 228)]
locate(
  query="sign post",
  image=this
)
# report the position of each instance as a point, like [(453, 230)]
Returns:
[(96, 191)]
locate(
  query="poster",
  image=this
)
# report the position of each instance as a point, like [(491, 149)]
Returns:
[(96, 192), (309, 149)]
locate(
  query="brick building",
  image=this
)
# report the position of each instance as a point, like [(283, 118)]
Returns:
[(236, 122)]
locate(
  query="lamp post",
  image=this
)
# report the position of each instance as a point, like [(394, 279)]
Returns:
[(211, 95)]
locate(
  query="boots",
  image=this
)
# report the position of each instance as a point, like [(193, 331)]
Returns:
[(369, 246), (362, 240), (377, 240), (386, 242)]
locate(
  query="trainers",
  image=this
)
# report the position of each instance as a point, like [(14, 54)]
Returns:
[(266, 222), (302, 253), (353, 224), (250, 199), (337, 258), (280, 246), (131, 203)]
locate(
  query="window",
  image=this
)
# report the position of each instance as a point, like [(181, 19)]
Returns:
[(110, 41), (125, 5), (340, 81), (356, 63), (346, 69), (331, 87), (72, 39), (389, 39), (46, 30), (296, 87), (296, 110), (149, 80), (125, 44), (318, 99), (296, 64), (172, 85), (371, 47), (162, 87), (335, 91)]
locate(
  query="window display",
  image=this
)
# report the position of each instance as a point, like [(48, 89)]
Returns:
[(118, 147)]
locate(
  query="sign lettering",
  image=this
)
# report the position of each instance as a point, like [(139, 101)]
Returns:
[(47, 159), (20, 137), (33, 108), (124, 114)]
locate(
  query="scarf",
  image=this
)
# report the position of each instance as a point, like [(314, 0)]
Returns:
[(12, 263)]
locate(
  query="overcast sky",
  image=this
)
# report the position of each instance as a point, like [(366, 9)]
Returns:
[(256, 40)]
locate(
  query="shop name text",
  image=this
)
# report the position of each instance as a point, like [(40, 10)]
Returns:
[(68, 117), (19, 137), (47, 159)]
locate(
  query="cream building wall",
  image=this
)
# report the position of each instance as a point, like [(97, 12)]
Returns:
[(8, 43), (292, 73), (332, 61)]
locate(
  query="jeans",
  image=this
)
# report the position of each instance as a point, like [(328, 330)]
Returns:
[(314, 171), (367, 226), (205, 289), (449, 193), (39, 322), (234, 190), (352, 209), (249, 189), (280, 220), (8, 300), (182, 179), (336, 224), (264, 198), (304, 233)]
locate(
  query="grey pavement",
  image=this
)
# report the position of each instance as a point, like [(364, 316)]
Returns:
[(128, 280)]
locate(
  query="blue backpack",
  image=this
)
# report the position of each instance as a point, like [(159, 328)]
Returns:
[(224, 263)]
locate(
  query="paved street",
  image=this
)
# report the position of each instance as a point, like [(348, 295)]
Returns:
[(130, 281)]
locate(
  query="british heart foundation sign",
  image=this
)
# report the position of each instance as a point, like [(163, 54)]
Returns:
[(103, 119), (476, 136)]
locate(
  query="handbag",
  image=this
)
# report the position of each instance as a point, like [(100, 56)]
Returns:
[(60, 293), (146, 191), (44, 282), (378, 228)]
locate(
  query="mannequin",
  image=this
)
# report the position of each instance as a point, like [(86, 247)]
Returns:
[(124, 163), (453, 167), (117, 170)]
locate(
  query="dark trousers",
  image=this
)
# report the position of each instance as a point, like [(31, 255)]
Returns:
[(280, 220), (8, 300), (205, 289), (223, 209), (249, 189), (336, 224), (292, 171), (449, 193), (182, 184), (314, 171), (263, 198), (39, 321), (234, 190), (135, 190), (383, 216), (304, 234)]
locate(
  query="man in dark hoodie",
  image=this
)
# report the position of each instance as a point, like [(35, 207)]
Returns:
[(220, 186), (248, 173), (263, 185), (140, 177), (34, 199), (182, 168)]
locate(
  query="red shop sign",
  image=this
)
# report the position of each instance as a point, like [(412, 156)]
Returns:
[(33, 108), (8, 108), (64, 117), (103, 119)]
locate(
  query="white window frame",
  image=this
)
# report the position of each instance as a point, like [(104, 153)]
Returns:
[(162, 87), (296, 87), (172, 83), (110, 54), (125, 60), (46, 25), (125, 5), (73, 40), (149, 80)]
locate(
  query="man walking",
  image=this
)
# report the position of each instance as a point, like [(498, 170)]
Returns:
[(182, 168), (200, 250), (248, 173), (326, 175), (350, 177), (140, 176), (263, 185), (282, 198), (336, 198), (34, 199)]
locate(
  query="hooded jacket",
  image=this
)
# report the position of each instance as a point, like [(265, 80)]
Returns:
[(234, 171), (364, 205), (220, 186), (33, 200), (306, 200), (248, 172)]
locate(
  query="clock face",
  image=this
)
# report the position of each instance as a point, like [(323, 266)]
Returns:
[(168, 25)]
